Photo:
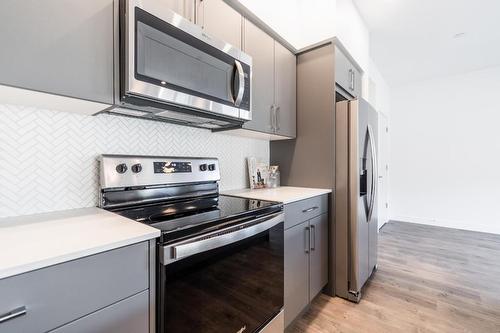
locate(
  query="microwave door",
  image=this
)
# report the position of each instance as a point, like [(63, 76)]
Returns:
[(172, 65)]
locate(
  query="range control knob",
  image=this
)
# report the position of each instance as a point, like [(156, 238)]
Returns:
[(121, 168), (203, 167), (211, 167), (136, 168)]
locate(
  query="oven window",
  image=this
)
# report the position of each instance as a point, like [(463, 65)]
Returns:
[(168, 57), (235, 288)]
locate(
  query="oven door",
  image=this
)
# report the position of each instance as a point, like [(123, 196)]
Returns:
[(171, 60), (227, 281)]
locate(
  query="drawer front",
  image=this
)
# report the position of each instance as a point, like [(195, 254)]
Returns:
[(56, 295), (128, 316), (304, 210)]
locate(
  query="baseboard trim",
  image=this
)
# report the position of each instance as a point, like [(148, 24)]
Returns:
[(453, 224)]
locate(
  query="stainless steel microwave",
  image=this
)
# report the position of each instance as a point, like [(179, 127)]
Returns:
[(171, 70)]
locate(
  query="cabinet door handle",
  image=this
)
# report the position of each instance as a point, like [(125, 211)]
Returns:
[(307, 236), (199, 14), (278, 112), (353, 80), (350, 78), (18, 312), (313, 234), (310, 209), (273, 126)]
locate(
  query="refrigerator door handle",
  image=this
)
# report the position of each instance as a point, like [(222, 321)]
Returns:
[(374, 185)]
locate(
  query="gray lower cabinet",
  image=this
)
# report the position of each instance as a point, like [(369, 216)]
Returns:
[(59, 47), (306, 255), (128, 316), (296, 271), (318, 256), (59, 294)]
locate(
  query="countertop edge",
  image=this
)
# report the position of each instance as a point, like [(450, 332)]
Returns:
[(21, 269), (254, 194)]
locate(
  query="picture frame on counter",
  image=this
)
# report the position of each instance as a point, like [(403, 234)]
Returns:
[(258, 172)]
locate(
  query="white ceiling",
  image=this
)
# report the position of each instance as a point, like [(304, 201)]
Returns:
[(413, 40)]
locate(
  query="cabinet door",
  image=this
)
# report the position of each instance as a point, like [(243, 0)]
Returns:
[(357, 82), (59, 47), (130, 315), (318, 258), (286, 87), (219, 20), (59, 294), (346, 74), (184, 8), (261, 47), (296, 270)]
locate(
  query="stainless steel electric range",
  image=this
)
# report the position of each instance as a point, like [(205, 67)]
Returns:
[(220, 258)]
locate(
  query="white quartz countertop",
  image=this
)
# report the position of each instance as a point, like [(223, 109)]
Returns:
[(284, 194), (36, 241)]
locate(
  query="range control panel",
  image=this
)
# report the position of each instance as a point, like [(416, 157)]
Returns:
[(118, 171), (172, 167)]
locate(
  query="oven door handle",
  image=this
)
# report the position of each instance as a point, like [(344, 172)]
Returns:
[(219, 238)]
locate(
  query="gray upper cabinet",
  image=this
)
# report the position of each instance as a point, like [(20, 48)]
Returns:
[(347, 75), (296, 271), (285, 91), (184, 8), (273, 84), (59, 47), (318, 259), (219, 20), (260, 46)]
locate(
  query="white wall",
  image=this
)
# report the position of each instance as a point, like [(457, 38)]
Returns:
[(300, 22), (48, 159), (353, 32), (379, 92), (445, 152)]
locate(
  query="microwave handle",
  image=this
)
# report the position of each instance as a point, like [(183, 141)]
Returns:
[(240, 76)]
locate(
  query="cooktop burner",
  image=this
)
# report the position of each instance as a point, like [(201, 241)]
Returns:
[(197, 215)]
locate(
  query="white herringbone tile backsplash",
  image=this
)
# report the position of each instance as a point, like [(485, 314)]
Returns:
[(48, 159)]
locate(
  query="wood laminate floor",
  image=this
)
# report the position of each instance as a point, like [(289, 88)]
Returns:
[(429, 279)]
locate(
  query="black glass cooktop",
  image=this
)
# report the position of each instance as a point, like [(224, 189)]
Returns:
[(194, 216)]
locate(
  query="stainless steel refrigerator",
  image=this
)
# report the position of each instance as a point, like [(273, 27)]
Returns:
[(356, 178)]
